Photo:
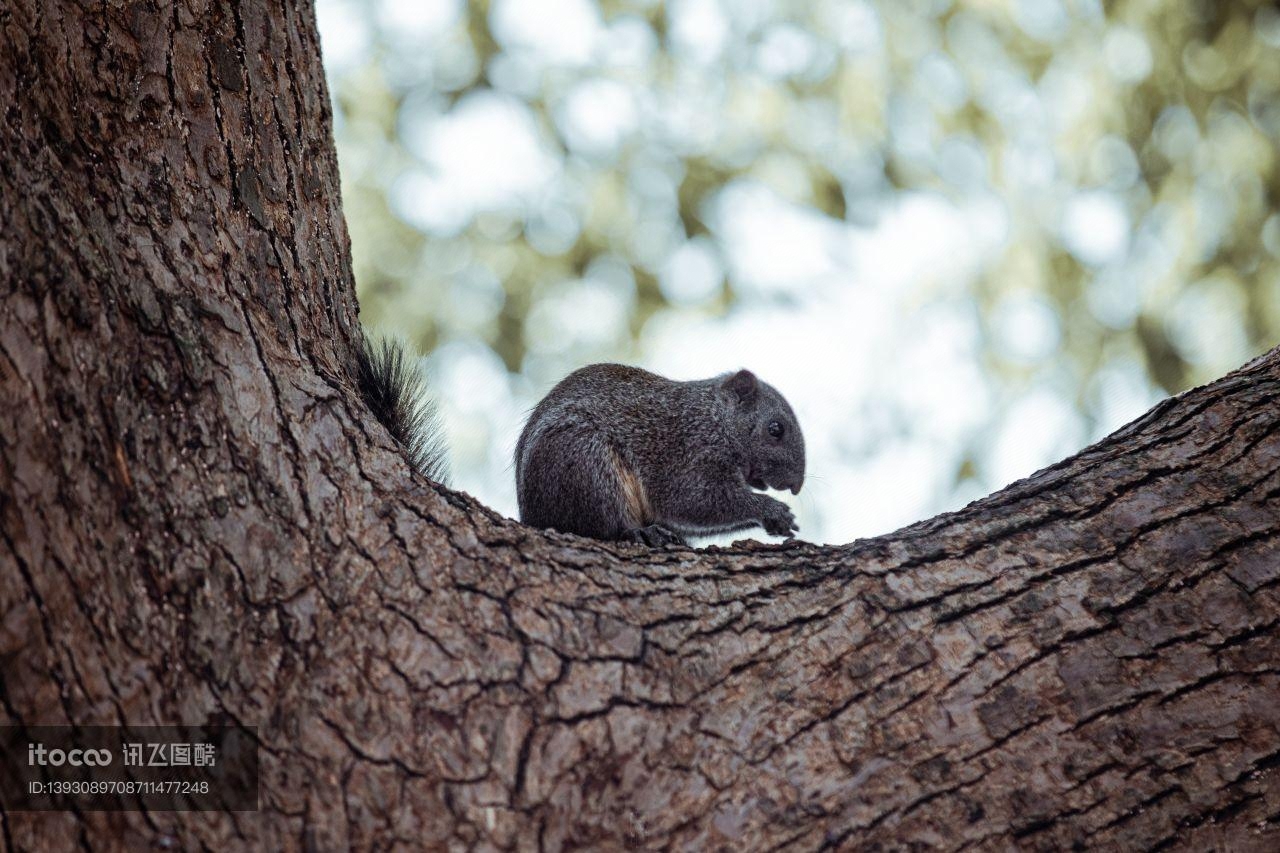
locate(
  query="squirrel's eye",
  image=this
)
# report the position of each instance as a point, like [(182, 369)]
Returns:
[(776, 429)]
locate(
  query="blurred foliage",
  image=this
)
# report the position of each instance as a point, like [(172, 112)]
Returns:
[(1131, 146), (1176, 111)]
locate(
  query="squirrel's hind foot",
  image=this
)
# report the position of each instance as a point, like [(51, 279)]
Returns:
[(655, 536)]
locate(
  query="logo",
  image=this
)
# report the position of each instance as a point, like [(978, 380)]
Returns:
[(38, 754)]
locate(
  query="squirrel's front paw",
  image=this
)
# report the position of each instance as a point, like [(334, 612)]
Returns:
[(777, 519)]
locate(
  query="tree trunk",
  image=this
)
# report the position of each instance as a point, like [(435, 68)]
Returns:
[(200, 521)]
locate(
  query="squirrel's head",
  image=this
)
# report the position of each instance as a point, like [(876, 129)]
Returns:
[(772, 443)]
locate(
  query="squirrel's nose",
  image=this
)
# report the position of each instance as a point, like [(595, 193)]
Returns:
[(795, 490)]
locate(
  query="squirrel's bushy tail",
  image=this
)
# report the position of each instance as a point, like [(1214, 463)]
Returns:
[(393, 387)]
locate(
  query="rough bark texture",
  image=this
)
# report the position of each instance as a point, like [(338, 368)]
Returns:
[(199, 521)]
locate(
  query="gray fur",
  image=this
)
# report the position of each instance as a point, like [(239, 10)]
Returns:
[(616, 452), (395, 392)]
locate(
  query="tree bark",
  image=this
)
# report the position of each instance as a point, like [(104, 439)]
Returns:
[(200, 521)]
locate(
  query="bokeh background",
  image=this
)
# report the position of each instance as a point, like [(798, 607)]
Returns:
[(965, 239)]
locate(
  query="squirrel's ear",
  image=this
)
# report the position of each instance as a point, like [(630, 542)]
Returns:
[(743, 385)]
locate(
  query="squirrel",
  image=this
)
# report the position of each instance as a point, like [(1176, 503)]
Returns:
[(616, 452), (619, 453)]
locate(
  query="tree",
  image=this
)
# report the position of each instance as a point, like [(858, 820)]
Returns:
[(200, 520)]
